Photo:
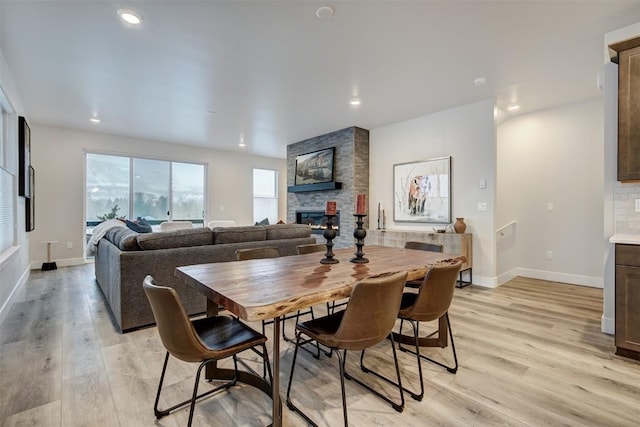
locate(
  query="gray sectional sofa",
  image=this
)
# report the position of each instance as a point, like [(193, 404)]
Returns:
[(124, 258)]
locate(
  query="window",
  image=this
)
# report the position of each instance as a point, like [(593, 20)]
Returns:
[(7, 176), (107, 187), (265, 195), (151, 184), (187, 191), (156, 190)]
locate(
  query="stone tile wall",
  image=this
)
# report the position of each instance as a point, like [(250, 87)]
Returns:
[(351, 168), (627, 219)]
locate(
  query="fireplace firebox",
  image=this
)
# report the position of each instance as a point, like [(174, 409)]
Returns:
[(317, 220)]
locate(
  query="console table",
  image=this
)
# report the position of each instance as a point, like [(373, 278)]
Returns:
[(453, 243)]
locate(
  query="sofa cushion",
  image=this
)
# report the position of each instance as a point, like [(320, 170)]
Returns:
[(287, 231), (176, 239), (124, 238), (221, 223), (250, 233)]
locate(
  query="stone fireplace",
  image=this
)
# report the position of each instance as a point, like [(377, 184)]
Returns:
[(317, 221), (351, 177)]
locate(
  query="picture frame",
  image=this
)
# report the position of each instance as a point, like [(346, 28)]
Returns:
[(422, 191), (30, 207), (24, 157), (315, 167)]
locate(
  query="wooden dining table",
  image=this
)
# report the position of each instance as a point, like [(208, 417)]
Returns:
[(270, 288)]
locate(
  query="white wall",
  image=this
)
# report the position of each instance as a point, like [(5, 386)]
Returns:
[(58, 159), (14, 266), (467, 134), (553, 156)]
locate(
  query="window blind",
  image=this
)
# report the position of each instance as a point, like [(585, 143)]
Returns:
[(7, 213)]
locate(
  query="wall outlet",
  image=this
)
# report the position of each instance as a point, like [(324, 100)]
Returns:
[(69, 245), (482, 206), (637, 205), (549, 254)]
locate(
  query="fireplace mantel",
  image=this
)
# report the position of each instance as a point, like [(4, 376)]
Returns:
[(315, 187)]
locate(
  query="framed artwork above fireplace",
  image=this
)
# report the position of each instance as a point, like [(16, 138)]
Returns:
[(315, 167)]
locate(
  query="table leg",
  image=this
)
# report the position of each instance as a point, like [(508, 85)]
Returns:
[(210, 369), (275, 392)]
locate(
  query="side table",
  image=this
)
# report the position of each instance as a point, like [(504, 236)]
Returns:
[(49, 265)]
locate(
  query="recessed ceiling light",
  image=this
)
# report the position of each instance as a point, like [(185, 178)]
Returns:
[(514, 107), (324, 12), (479, 81), (129, 16), (355, 102), (94, 120)]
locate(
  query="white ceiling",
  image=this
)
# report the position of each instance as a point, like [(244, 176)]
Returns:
[(209, 73)]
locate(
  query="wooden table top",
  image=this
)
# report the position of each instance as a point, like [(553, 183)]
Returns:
[(267, 288)]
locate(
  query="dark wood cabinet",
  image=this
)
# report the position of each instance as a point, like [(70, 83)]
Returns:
[(628, 301), (628, 58)]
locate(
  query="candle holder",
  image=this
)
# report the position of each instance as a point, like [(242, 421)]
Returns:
[(359, 233), (329, 234)]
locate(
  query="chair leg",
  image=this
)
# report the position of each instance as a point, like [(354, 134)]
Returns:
[(315, 354), (159, 413), (397, 406), (265, 361), (284, 318), (415, 396), (290, 404), (451, 369), (341, 362)]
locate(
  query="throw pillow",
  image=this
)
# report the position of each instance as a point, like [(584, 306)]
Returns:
[(263, 222), (139, 226)]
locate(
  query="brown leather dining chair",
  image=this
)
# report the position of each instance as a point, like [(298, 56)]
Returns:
[(421, 246), (203, 341), (265, 253), (312, 248), (257, 253), (431, 303), (367, 320)]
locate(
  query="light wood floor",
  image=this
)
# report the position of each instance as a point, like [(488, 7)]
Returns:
[(531, 354)]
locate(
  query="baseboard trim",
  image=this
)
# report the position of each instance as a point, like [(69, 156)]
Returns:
[(505, 277), (4, 310), (484, 281), (573, 279), (608, 325)]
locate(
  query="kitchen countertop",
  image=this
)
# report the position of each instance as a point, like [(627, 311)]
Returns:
[(627, 239)]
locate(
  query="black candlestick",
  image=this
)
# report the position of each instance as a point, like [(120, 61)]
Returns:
[(329, 234), (359, 233)]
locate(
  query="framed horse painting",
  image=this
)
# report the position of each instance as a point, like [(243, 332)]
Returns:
[(422, 191)]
